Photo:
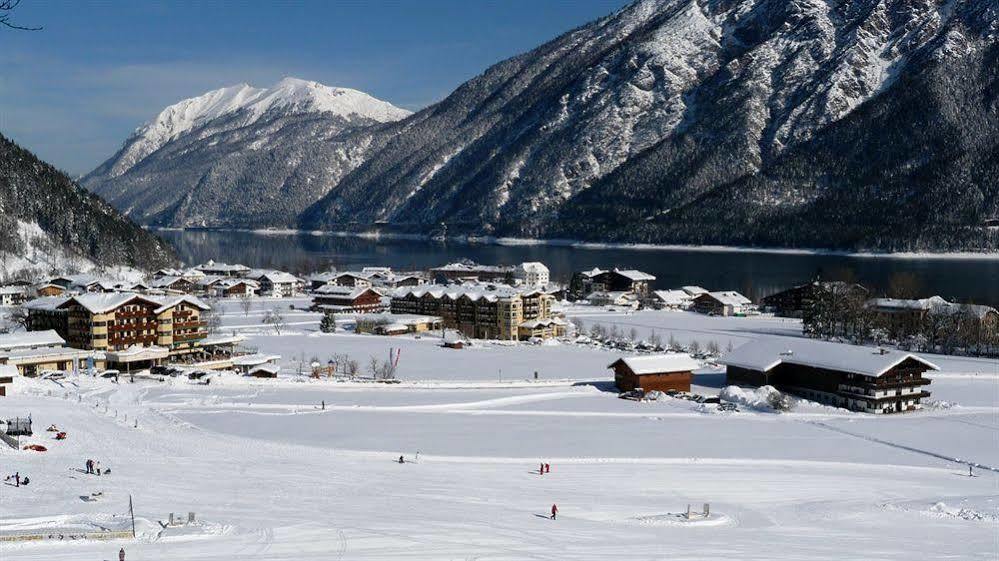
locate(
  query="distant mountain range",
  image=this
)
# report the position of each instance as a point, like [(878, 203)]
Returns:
[(241, 156), (870, 124), (50, 224)]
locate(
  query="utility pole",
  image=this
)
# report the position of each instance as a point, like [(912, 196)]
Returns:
[(131, 513)]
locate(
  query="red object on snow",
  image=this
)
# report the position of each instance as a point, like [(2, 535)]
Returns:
[(60, 436), (36, 447)]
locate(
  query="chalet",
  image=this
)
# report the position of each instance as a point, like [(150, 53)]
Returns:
[(276, 283), (616, 280), (234, 288), (317, 280), (355, 280), (333, 298), (540, 328), (13, 295), (619, 298), (668, 372), (34, 352), (213, 269), (795, 301), (49, 289), (174, 284), (857, 378), (726, 303), (669, 300), (900, 317)]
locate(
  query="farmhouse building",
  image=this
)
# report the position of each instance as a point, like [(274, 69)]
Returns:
[(727, 303), (617, 280), (857, 378), (668, 372), (796, 301), (333, 298)]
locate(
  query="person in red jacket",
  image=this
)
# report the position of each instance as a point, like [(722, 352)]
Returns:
[(548, 468), (554, 511)]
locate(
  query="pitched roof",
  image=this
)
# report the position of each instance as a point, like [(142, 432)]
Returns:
[(730, 298), (635, 275), (28, 339), (766, 353), (45, 303), (655, 364), (672, 296)]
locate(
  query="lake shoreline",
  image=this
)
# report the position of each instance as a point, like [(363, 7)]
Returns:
[(577, 244)]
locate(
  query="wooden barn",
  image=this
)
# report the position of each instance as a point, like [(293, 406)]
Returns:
[(654, 372)]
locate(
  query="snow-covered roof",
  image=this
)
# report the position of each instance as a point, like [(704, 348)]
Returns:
[(933, 304), (8, 370), (906, 304), (766, 353), (222, 267), (533, 267), (672, 296), (328, 276), (45, 303), (535, 323), (693, 290), (268, 368), (635, 275), (654, 364), (351, 292), (28, 339), (254, 359), (137, 353), (13, 289), (730, 298), (167, 302), (278, 277), (100, 303), (166, 281), (225, 283), (593, 272), (474, 292)]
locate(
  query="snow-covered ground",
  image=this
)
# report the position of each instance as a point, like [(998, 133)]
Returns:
[(273, 474)]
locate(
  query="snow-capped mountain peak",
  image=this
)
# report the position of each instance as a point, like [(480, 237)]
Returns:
[(289, 95)]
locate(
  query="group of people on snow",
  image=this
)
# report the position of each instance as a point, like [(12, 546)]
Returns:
[(94, 467), (18, 480)]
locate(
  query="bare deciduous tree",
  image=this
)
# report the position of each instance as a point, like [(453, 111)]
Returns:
[(275, 319), (246, 304), (6, 8)]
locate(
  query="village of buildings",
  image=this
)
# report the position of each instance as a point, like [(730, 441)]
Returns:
[(86, 323)]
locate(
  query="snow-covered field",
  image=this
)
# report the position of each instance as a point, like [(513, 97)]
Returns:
[(272, 474)]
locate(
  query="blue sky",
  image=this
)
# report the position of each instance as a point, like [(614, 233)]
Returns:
[(73, 91)]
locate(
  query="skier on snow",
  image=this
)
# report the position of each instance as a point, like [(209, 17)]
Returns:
[(554, 511)]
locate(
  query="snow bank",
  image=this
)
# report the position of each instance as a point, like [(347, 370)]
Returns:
[(753, 398)]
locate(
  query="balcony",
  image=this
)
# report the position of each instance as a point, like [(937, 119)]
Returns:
[(193, 336), (189, 324)]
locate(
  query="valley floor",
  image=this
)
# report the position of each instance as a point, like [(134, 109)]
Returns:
[(273, 475)]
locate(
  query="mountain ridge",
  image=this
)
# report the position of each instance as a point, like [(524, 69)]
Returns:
[(668, 121)]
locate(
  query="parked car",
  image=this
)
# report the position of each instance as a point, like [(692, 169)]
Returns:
[(159, 370), (110, 374)]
